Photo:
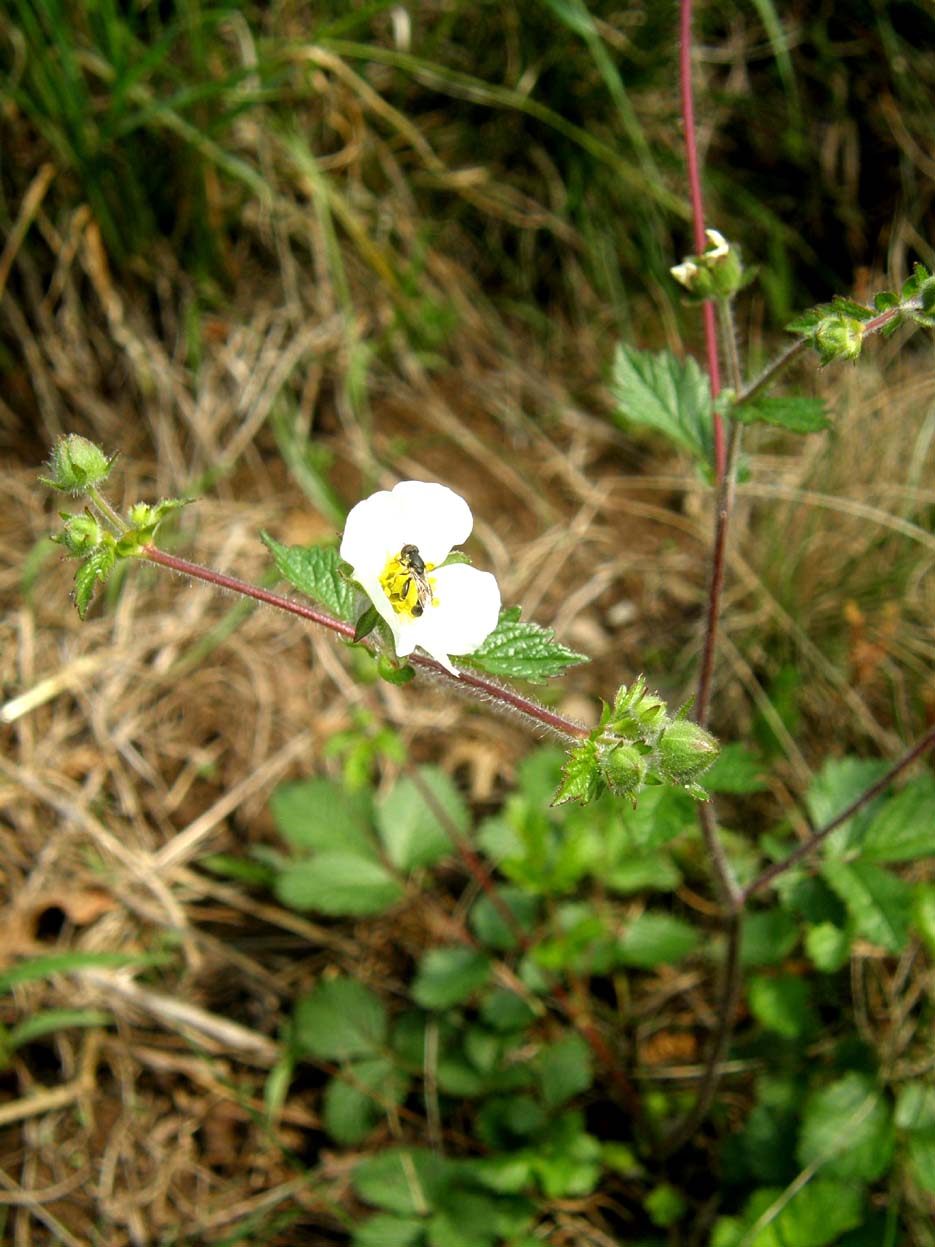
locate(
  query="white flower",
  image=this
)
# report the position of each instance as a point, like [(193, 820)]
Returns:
[(395, 541)]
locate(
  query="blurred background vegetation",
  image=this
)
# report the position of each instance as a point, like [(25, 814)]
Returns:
[(278, 254)]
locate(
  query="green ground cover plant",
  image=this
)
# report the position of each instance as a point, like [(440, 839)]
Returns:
[(491, 1080)]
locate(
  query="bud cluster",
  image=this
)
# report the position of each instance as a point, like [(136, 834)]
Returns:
[(638, 742)]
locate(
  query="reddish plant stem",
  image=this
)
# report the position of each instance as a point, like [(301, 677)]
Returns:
[(808, 846), (725, 504), (486, 687), (694, 188), (718, 1044)]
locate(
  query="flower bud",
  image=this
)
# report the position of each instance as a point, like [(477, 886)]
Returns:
[(686, 751), (80, 534), (839, 337), (75, 464), (716, 273), (623, 769)]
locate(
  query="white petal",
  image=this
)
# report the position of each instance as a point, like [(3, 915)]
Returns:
[(432, 517), (373, 533), (467, 612)]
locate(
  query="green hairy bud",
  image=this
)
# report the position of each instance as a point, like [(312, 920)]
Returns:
[(686, 751), (80, 534), (624, 768), (839, 338), (76, 464)]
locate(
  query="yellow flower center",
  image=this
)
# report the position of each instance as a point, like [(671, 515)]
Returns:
[(407, 584)]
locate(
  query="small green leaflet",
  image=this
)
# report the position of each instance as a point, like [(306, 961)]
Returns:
[(797, 414), (581, 776), (522, 650), (665, 393), (92, 572), (315, 570)]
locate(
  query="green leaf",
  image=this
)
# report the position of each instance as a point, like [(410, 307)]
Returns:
[(847, 1130), (68, 963), (840, 782), (342, 884), (782, 1005), (581, 776), (339, 1019), (492, 928), (656, 939), (640, 872), (521, 650), (768, 937), (815, 1216), (52, 1021), (665, 1205), (915, 1108), (468, 1219), (921, 1152), (320, 814), (447, 976), (402, 1180), (505, 1011), (413, 826), (828, 947), (565, 1070), (923, 914), (903, 828), (92, 572), (667, 394), (353, 1102), (385, 1230), (315, 570), (795, 414), (878, 903)]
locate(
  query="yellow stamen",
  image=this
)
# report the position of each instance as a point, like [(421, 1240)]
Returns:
[(401, 586)]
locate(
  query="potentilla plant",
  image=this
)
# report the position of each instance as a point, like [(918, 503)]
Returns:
[(396, 584)]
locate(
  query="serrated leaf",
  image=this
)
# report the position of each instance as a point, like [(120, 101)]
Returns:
[(342, 884), (795, 414), (339, 1019), (448, 976), (847, 1130), (521, 650), (670, 395), (92, 572), (655, 939), (315, 571), (402, 1180), (565, 1070), (903, 828), (414, 829), (319, 814), (878, 902), (581, 776), (840, 782)]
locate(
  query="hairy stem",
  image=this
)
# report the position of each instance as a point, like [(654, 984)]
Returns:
[(694, 188), (718, 1044), (483, 686), (97, 499)]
